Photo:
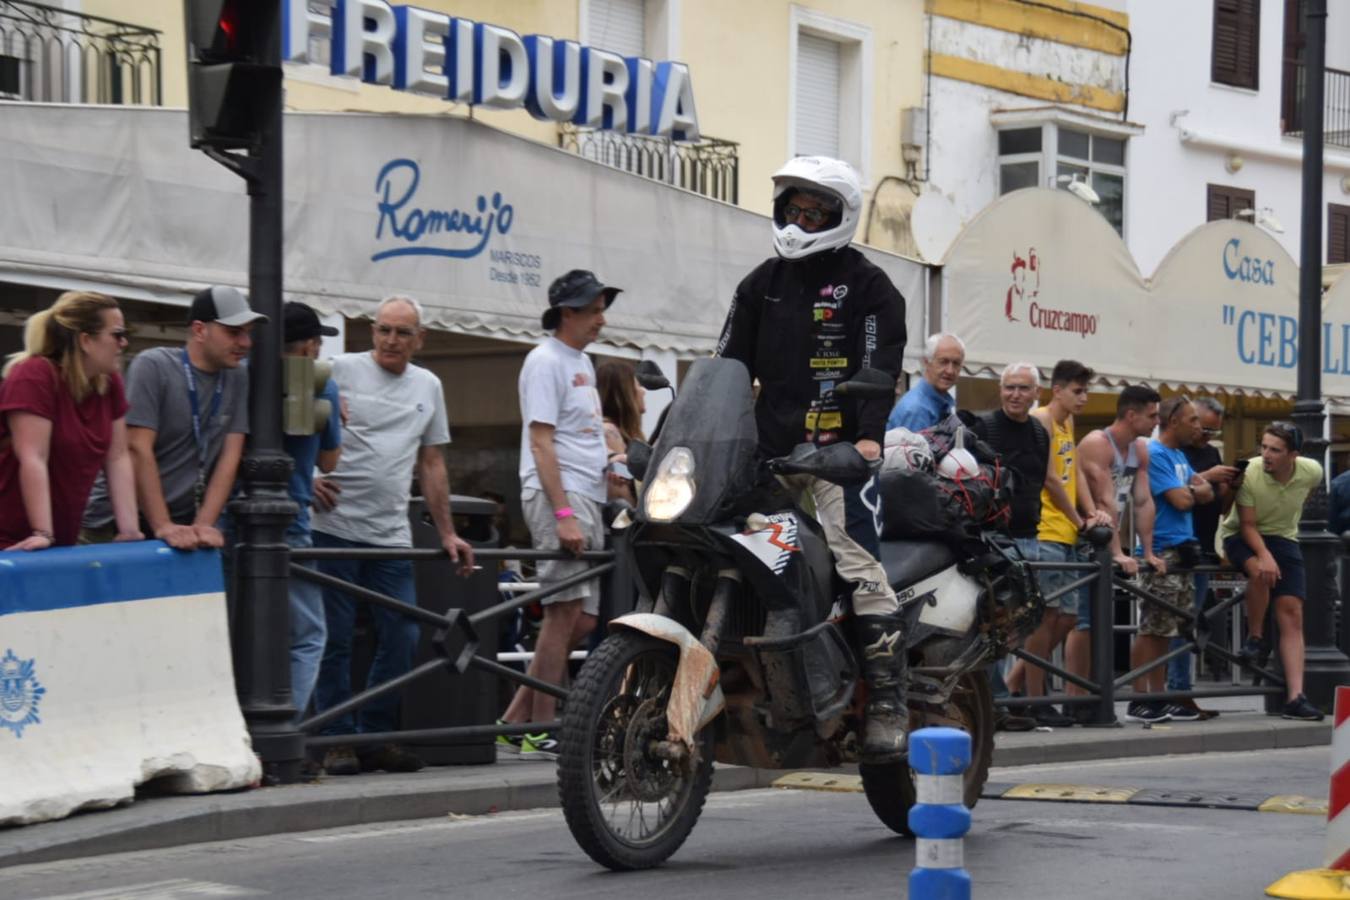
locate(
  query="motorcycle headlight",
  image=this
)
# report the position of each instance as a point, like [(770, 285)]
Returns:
[(672, 490)]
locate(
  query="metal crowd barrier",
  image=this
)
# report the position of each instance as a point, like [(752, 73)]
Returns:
[(1104, 688), (455, 638)]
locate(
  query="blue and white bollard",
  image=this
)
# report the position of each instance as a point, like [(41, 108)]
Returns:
[(939, 820)]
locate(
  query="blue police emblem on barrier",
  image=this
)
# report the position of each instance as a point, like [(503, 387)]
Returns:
[(20, 693)]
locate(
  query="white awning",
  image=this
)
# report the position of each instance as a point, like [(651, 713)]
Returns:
[(1040, 276), (471, 221)]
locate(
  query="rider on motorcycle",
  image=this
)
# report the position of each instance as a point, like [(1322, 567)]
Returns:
[(801, 322)]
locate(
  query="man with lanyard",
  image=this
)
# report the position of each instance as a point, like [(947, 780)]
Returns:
[(1260, 537), (186, 425), (801, 322), (1114, 463)]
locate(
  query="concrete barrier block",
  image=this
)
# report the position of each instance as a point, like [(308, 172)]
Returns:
[(115, 670)]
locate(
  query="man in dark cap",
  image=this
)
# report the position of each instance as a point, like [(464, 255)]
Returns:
[(303, 334), (562, 479), (187, 424)]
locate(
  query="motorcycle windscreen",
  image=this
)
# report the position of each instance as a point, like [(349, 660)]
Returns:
[(713, 418)]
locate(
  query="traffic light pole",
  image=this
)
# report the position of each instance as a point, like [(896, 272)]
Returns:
[(262, 617), (1325, 666)]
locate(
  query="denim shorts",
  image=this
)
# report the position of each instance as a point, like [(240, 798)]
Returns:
[(1074, 602), (1288, 556)]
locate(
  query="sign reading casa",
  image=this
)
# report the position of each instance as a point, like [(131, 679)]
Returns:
[(427, 52)]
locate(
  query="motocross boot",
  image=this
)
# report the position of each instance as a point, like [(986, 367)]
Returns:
[(881, 646)]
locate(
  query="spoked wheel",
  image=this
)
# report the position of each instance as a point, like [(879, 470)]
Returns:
[(629, 801), (890, 787)]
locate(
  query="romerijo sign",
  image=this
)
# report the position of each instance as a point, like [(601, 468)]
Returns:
[(427, 52)]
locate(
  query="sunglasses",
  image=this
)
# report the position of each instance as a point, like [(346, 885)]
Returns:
[(812, 215)]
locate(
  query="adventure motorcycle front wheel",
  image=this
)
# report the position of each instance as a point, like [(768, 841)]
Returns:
[(628, 807), (889, 787)]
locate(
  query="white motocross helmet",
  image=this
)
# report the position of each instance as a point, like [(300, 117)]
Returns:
[(829, 179)]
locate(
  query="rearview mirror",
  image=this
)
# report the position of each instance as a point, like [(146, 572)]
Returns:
[(650, 376), (867, 384)]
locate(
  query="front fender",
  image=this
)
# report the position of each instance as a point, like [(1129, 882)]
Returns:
[(696, 696)]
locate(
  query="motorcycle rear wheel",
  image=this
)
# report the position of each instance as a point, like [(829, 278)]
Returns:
[(889, 787), (627, 808)]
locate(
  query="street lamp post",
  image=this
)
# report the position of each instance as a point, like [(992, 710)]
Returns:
[(1326, 666)]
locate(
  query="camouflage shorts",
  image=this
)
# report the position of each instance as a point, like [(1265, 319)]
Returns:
[(1179, 590)]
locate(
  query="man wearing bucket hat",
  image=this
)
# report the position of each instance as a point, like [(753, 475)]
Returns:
[(187, 424), (562, 479)]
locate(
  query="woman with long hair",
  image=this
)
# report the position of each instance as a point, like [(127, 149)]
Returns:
[(622, 402), (62, 420)]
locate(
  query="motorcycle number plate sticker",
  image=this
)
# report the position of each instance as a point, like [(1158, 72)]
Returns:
[(771, 539), (948, 600)]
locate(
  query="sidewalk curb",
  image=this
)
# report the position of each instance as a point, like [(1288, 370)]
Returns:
[(160, 822)]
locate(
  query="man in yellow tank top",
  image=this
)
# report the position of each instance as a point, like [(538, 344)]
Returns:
[(1066, 509)]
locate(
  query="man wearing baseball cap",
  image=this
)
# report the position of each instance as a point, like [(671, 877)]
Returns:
[(303, 335), (187, 424), (562, 479)]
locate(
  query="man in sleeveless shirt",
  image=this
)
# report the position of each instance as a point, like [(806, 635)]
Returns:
[(1114, 461), (1066, 510)]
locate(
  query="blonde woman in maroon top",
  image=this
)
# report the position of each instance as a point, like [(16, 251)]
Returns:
[(62, 420)]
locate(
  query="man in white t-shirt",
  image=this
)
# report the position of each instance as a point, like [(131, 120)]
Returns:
[(562, 479), (396, 425)]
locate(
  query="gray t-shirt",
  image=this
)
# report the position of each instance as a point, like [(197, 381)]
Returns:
[(389, 418), (157, 389), (557, 387)]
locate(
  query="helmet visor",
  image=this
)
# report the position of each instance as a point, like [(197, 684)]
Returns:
[(809, 210)]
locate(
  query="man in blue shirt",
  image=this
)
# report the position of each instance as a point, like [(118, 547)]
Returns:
[(303, 333), (1176, 490), (930, 401)]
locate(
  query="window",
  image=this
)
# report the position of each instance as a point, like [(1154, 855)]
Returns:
[(619, 26), (1338, 233), (11, 86), (647, 28), (1054, 155), (1223, 202), (830, 88), (817, 97), (1237, 42)]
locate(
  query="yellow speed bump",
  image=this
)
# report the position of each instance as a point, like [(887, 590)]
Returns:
[(1075, 793), (820, 781), (1314, 884), (1294, 803)]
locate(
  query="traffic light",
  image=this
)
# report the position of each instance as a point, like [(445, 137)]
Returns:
[(303, 411), (234, 70)]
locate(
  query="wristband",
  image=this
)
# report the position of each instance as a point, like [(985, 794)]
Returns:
[(563, 513), (42, 533)]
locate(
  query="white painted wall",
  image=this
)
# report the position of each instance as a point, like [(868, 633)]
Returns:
[(1169, 75)]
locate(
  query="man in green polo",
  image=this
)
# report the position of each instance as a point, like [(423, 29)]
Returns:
[(1260, 536)]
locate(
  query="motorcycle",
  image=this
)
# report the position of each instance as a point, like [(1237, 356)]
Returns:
[(737, 649)]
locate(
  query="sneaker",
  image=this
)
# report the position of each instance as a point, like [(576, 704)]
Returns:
[(1179, 713), (1048, 716), (341, 761), (1299, 708), (391, 758), (1006, 721), (310, 770), (539, 746), (508, 743), (1202, 713), (1149, 713), (1081, 713)]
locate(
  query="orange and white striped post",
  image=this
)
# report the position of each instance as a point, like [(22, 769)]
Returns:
[(1334, 880)]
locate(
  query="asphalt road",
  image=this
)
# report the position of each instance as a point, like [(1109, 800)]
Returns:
[(775, 843)]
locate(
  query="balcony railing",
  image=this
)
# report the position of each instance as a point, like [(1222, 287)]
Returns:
[(1336, 103), (53, 55), (710, 166)]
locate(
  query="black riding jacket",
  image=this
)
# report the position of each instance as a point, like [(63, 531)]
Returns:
[(802, 326)]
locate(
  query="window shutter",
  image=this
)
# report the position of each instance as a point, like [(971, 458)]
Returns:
[(1237, 43), (1338, 234), (1223, 202), (817, 96), (619, 26)]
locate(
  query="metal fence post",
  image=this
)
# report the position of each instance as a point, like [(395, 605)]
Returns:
[(1103, 629)]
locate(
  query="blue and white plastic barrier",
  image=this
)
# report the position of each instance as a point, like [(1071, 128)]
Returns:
[(114, 670), (939, 820)]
